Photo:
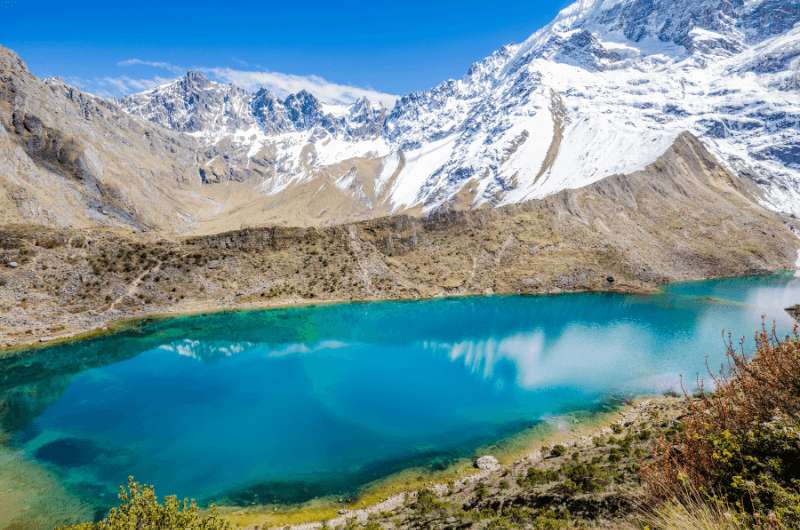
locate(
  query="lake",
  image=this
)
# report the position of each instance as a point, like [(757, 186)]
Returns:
[(286, 405)]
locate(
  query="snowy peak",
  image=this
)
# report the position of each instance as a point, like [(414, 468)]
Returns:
[(604, 89), (195, 80), (681, 22), (216, 111), (193, 104), (270, 112), (365, 119), (305, 112)]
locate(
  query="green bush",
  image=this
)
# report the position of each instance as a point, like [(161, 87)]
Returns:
[(426, 502), (139, 509), (552, 520), (535, 477), (584, 477)]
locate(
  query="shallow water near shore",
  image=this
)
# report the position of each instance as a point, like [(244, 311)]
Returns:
[(286, 405)]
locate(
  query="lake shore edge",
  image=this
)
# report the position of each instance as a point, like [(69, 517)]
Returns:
[(126, 322), (396, 492)]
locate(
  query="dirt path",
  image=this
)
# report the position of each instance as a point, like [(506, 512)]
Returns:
[(134, 285)]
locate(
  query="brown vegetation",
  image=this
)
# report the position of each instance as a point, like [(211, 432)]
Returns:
[(740, 444)]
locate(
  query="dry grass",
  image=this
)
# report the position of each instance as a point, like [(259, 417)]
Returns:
[(696, 514)]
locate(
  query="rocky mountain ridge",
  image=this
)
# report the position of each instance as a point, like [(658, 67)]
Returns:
[(71, 159), (212, 111), (683, 217), (604, 89)]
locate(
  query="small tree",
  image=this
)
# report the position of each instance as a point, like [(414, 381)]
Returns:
[(139, 509)]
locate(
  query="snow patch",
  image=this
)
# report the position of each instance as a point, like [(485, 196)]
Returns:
[(421, 164)]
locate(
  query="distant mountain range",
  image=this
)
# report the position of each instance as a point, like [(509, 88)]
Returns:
[(605, 89)]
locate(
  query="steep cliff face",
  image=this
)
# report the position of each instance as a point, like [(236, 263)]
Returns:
[(71, 159)]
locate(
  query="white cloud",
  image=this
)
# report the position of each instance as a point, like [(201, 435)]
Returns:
[(175, 69), (114, 87), (285, 84), (281, 84), (126, 84)]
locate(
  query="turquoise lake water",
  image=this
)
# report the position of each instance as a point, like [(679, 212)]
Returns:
[(291, 404)]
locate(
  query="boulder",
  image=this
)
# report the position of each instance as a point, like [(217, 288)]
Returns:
[(487, 463)]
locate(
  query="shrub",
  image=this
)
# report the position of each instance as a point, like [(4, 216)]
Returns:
[(139, 509), (582, 477), (426, 502), (481, 490), (558, 450), (536, 477), (741, 443), (615, 455), (551, 520)]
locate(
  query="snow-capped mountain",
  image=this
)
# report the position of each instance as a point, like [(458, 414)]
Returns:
[(213, 111), (604, 89), (194, 105)]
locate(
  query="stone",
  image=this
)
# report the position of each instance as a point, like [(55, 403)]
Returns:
[(13, 264), (440, 490), (487, 463)]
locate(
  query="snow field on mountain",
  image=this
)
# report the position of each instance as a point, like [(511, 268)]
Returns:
[(619, 80)]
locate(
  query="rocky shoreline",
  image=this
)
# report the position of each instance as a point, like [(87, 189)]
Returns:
[(103, 324), (613, 449)]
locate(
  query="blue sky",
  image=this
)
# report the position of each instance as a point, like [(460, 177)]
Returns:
[(388, 46)]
